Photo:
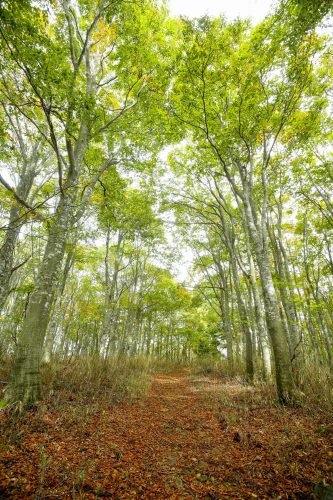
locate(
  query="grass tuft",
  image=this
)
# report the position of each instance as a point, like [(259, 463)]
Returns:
[(93, 379)]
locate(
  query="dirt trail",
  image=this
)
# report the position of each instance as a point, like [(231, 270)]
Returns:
[(169, 441), (184, 440)]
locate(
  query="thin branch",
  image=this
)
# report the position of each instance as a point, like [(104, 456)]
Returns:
[(125, 107), (20, 265), (16, 196)]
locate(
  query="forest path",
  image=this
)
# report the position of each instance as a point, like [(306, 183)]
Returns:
[(168, 442), (188, 438)]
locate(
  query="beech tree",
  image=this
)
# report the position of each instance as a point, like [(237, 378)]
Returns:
[(86, 68), (237, 107), (94, 94)]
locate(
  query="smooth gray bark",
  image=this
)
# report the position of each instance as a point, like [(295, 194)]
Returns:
[(25, 382), (276, 330), (7, 250)]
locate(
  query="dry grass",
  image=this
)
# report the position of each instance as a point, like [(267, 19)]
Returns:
[(165, 365), (90, 380), (315, 384), (93, 379), (217, 368)]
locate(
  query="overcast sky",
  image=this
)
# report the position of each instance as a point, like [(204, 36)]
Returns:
[(255, 9)]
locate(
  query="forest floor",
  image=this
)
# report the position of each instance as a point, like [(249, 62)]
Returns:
[(190, 437)]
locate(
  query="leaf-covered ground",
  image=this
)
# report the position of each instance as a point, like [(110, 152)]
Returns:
[(188, 438)]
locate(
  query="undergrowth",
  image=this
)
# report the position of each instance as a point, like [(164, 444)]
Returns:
[(165, 365), (314, 384), (216, 367), (91, 379)]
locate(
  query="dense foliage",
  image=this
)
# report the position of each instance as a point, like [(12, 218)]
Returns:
[(96, 222)]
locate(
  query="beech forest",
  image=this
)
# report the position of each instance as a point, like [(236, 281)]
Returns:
[(166, 251)]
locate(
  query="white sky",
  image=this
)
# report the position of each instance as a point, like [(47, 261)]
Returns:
[(254, 9)]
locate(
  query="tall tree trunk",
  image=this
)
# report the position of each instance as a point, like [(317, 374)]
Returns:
[(261, 324), (108, 330), (244, 319), (286, 294), (25, 382), (7, 249), (283, 369), (57, 312)]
